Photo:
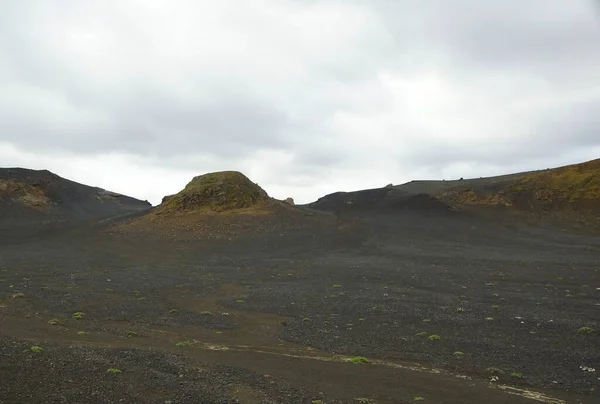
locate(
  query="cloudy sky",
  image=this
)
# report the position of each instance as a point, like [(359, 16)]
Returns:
[(306, 97)]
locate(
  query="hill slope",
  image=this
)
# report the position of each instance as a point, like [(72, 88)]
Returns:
[(220, 205), (571, 192), (380, 200), (573, 188), (31, 196)]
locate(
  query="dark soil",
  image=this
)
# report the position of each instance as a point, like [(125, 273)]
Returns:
[(273, 316)]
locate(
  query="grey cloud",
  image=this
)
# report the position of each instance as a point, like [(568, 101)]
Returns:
[(191, 110), (229, 127), (576, 126), (496, 33), (153, 122)]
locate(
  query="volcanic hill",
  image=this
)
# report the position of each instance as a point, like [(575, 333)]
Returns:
[(570, 194), (570, 188), (39, 194), (219, 205), (34, 201), (215, 192)]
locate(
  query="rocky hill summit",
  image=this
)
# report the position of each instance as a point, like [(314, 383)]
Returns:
[(215, 192), (221, 205)]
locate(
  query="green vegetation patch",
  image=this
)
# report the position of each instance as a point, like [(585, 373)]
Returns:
[(219, 191), (36, 349), (183, 343), (114, 371), (586, 330), (572, 183), (359, 360), (577, 184), (78, 315)]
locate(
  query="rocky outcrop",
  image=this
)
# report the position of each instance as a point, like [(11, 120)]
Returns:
[(217, 192)]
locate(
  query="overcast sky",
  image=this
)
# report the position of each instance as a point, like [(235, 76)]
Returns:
[(306, 97)]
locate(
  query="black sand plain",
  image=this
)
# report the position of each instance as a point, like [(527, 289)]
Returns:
[(338, 303), (276, 316)]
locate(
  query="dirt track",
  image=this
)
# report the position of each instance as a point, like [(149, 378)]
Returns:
[(274, 318)]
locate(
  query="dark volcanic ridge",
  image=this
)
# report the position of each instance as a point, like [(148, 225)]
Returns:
[(569, 194), (380, 200), (570, 188), (35, 199)]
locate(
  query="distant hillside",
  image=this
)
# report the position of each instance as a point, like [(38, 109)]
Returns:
[(380, 200), (31, 196), (570, 189)]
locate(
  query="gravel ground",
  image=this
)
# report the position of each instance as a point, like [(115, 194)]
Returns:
[(271, 317)]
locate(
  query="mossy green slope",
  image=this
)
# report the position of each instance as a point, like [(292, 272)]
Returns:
[(573, 187), (580, 182), (216, 192)]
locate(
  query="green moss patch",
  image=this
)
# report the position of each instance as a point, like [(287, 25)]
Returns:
[(219, 191)]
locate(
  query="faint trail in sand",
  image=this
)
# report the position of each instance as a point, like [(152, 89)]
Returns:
[(528, 394), (533, 395)]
